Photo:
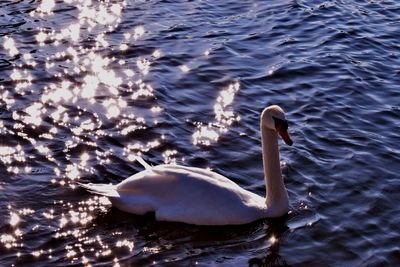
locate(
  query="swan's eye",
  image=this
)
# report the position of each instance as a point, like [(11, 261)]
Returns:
[(281, 123)]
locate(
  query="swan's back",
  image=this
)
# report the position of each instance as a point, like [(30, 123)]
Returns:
[(190, 195)]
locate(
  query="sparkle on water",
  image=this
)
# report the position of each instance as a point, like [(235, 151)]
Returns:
[(224, 117), (84, 78), (87, 79)]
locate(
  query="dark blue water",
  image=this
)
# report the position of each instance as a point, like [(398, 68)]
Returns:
[(84, 87)]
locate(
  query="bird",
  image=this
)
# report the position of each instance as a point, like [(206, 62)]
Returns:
[(200, 196)]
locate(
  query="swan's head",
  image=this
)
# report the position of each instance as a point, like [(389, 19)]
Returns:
[(273, 117)]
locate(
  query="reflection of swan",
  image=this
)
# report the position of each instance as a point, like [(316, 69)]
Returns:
[(275, 230), (200, 196)]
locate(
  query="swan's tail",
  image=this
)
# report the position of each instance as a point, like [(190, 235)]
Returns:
[(107, 190)]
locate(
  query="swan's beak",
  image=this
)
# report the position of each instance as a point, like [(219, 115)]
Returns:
[(282, 129), (286, 137)]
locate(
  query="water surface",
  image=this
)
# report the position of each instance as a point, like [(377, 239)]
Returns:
[(85, 86)]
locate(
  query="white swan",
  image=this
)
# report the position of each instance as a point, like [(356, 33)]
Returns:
[(200, 196)]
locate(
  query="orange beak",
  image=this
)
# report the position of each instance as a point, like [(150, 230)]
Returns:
[(284, 134)]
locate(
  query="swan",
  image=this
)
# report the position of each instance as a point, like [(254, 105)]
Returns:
[(201, 196)]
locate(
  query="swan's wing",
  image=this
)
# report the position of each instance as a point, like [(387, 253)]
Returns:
[(161, 180), (107, 190), (144, 163), (207, 174)]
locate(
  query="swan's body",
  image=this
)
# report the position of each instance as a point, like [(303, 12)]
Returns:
[(200, 196), (185, 194)]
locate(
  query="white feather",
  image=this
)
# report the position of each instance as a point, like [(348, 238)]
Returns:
[(200, 196)]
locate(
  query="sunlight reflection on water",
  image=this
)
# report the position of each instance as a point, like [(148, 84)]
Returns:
[(224, 117), (86, 86), (87, 75), (89, 87)]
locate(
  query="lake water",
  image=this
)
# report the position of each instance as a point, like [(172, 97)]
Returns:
[(87, 85)]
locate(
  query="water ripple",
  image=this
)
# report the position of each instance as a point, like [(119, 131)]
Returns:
[(87, 86)]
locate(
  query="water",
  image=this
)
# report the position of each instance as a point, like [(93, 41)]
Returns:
[(87, 86)]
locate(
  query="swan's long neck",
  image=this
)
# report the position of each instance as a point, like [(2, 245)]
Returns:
[(276, 199)]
